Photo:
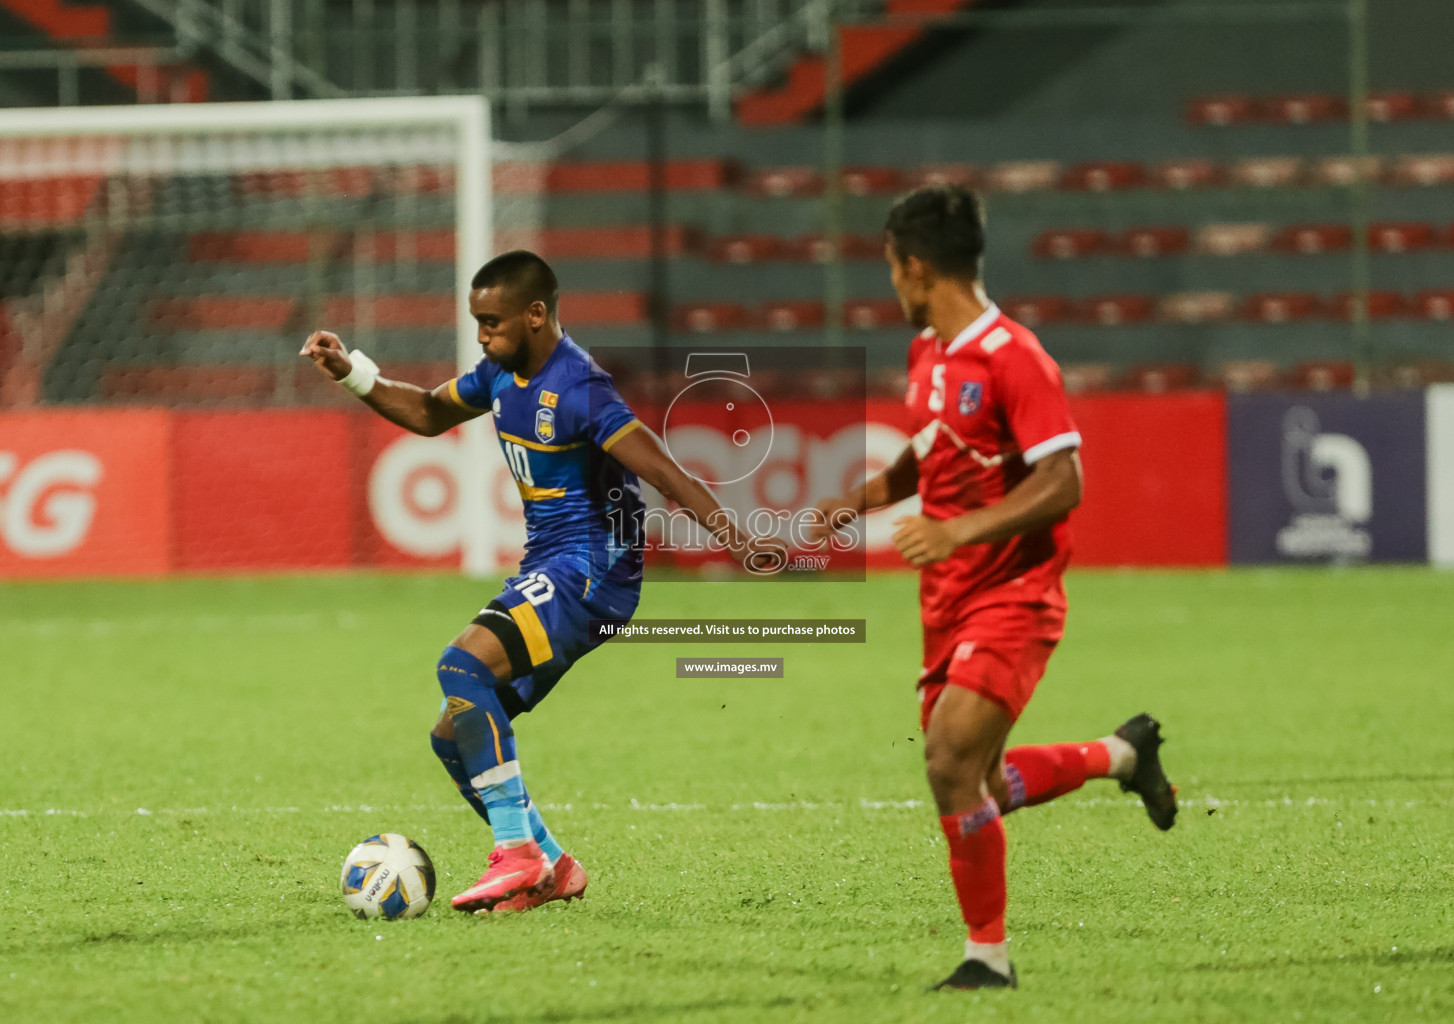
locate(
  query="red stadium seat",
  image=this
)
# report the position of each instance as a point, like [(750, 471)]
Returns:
[(1103, 176), (1394, 106), (792, 315), (1426, 170), (1150, 242), (191, 384), (818, 249), (1113, 310), (873, 314), (1381, 305), (1312, 239), (1308, 108), (867, 181), (1342, 171), (1159, 379), (1248, 375), (1219, 111), (1035, 310), (1232, 239), (707, 317), (1022, 176), (943, 174), (743, 248), (1322, 375), (1435, 304), (1267, 172), (1393, 238), (784, 182), (1281, 307), (1198, 307), (1068, 243), (1184, 175), (1080, 378), (1441, 105), (625, 176)]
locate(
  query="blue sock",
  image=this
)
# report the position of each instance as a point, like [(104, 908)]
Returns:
[(486, 743), (448, 753)]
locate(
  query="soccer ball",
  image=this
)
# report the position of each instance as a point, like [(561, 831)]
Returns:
[(388, 876)]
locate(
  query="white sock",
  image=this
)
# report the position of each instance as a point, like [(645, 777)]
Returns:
[(994, 955), (1123, 756)]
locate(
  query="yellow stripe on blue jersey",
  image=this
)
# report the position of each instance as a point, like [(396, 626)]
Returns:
[(454, 394), (536, 642), (618, 435), (538, 446)]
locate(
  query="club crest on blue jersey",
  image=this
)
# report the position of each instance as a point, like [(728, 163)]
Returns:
[(545, 424), (970, 394)]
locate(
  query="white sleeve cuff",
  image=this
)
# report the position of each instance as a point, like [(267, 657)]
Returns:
[(1058, 443)]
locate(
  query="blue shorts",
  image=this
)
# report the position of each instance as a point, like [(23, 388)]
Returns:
[(551, 607)]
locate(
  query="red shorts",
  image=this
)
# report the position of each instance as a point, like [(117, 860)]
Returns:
[(998, 651)]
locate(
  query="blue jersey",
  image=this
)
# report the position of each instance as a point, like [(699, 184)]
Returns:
[(582, 507)]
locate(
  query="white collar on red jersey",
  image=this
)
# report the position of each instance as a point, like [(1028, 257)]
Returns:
[(974, 330)]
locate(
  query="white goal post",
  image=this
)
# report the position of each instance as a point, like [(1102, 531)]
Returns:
[(116, 141)]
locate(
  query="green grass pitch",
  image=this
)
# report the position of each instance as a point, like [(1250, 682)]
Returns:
[(186, 763)]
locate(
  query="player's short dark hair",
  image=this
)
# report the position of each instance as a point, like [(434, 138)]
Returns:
[(523, 274), (943, 225)]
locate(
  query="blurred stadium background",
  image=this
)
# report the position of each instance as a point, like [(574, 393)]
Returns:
[(1230, 222)]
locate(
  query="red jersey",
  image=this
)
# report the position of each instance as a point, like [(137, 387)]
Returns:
[(983, 409)]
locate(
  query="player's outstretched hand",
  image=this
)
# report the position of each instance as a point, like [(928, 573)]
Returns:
[(328, 354), (923, 541), (836, 515)]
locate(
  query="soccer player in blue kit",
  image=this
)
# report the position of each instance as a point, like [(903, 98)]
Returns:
[(576, 452)]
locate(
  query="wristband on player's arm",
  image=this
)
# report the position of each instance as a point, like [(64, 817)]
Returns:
[(361, 376)]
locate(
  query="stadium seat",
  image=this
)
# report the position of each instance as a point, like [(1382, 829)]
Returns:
[(1243, 375), (707, 317), (1382, 305), (1435, 304), (1394, 106), (818, 249), (1322, 375), (783, 182), (1232, 239), (33, 202), (1281, 307), (1101, 176), (1159, 379), (1400, 237), (1112, 310), (872, 314), (1184, 175), (1441, 105), (794, 315), (1150, 242), (1080, 378), (1267, 172), (1022, 176), (1312, 239), (635, 176), (743, 248), (942, 174), (1308, 108), (1343, 171), (1220, 111), (1036, 310), (867, 181), (1068, 243), (1198, 307), (1426, 170), (189, 385)]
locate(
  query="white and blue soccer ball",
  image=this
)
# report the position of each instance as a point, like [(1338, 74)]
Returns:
[(388, 876)]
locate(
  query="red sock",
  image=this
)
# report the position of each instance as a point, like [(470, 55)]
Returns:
[(977, 866), (1037, 774)]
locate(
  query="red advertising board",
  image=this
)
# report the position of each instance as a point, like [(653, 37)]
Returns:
[(84, 493), (122, 492)]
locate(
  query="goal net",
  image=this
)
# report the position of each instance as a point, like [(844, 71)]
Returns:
[(161, 268)]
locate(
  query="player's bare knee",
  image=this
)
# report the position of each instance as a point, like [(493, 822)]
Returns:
[(486, 646)]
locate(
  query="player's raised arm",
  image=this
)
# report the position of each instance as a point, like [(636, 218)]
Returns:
[(642, 453), (899, 481), (1051, 491), (429, 413)]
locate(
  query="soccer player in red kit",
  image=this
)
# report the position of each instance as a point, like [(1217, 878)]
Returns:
[(994, 459)]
